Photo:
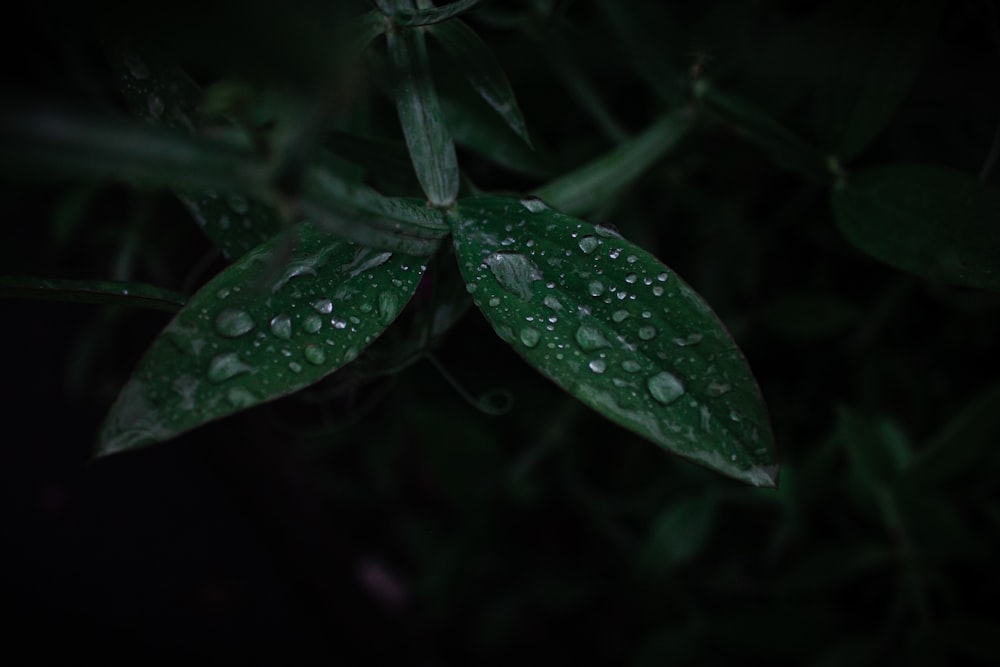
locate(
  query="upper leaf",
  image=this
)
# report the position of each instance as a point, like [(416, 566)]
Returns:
[(932, 221), (617, 329), (431, 148), (480, 67), (259, 330), (879, 51)]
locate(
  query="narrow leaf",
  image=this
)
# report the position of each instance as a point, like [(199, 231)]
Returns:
[(430, 15), (929, 220), (166, 96), (112, 293), (617, 329), (678, 534), (431, 149), (246, 338), (45, 143), (788, 149), (880, 49), (482, 70), (593, 184)]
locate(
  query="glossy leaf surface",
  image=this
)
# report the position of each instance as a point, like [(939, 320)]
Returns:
[(480, 67), (617, 329), (431, 148), (259, 330), (929, 220)]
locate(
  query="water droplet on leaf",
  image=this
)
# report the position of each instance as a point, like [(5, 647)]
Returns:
[(665, 387), (514, 272), (312, 323), (588, 244), (647, 333), (281, 326), (590, 338), (314, 354), (530, 337), (226, 366), (233, 323), (598, 365)]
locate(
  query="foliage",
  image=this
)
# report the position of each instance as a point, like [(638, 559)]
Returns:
[(430, 316)]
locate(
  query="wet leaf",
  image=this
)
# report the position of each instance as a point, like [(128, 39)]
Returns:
[(617, 329), (929, 220), (482, 70), (248, 336), (431, 148)]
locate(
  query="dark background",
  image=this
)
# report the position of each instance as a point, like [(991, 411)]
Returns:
[(378, 518)]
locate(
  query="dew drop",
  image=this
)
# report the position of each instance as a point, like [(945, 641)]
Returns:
[(514, 272), (223, 293), (338, 324), (233, 323), (312, 323), (471, 288), (281, 326), (691, 339), (350, 354), (647, 333), (226, 366), (665, 388), (607, 231), (294, 367), (662, 277), (596, 288), (615, 254), (388, 306), (657, 291), (240, 397), (631, 259), (534, 204), (494, 301), (314, 354), (631, 278), (619, 316), (716, 389), (530, 337), (552, 302), (631, 366), (589, 338), (323, 306), (598, 366), (588, 244)]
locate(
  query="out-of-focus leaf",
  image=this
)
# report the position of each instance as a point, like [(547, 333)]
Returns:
[(431, 149), (166, 96), (929, 220), (387, 162), (878, 451), (962, 443), (482, 70), (593, 184), (40, 142), (406, 16), (617, 329), (786, 148), (876, 59), (678, 534), (248, 337), (112, 293)]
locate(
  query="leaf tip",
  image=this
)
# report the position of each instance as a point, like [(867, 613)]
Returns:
[(764, 476)]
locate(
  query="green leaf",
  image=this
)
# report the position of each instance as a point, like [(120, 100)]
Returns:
[(414, 17), (878, 451), (112, 293), (788, 149), (431, 148), (617, 329), (40, 142), (929, 220), (678, 534), (166, 96), (593, 184), (879, 52), (482, 70), (251, 335)]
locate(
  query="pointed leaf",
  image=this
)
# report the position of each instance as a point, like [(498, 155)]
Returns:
[(880, 49), (586, 188), (929, 220), (167, 96), (431, 149), (248, 337), (617, 329), (113, 293), (482, 70), (427, 16)]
